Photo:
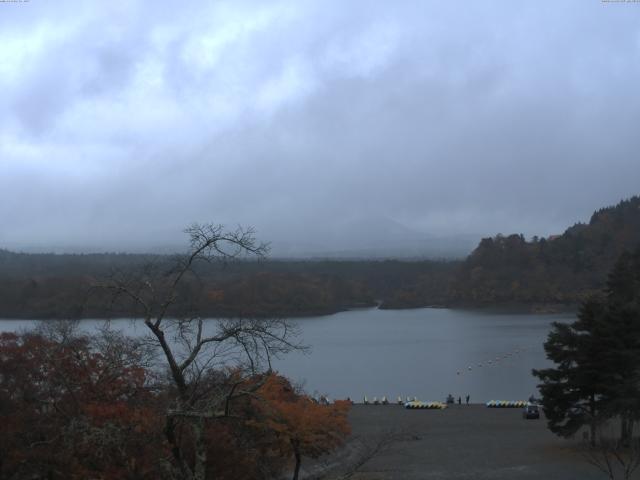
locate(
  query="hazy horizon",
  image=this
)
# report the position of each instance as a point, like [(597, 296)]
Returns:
[(370, 128)]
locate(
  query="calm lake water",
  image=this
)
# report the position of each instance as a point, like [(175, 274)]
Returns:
[(423, 352)]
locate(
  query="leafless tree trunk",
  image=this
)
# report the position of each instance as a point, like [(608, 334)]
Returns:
[(192, 352), (298, 459)]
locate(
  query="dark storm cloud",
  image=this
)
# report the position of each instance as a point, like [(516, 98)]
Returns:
[(318, 123)]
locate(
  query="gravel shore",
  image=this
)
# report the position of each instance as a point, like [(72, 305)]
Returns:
[(464, 442)]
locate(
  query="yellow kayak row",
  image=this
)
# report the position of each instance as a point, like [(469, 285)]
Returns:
[(507, 403), (425, 405)]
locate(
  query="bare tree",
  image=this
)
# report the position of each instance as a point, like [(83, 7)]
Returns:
[(614, 457), (208, 362)]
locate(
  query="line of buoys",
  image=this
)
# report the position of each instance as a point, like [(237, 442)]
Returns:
[(417, 405), (507, 403), (497, 361)]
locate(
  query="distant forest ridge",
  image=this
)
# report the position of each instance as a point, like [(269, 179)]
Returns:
[(503, 271), (563, 269)]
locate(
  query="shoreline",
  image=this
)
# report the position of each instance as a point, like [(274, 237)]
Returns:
[(511, 309)]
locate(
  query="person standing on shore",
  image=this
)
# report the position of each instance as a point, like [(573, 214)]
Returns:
[(468, 397), (459, 400)]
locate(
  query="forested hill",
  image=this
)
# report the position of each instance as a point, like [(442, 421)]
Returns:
[(501, 271), (57, 286), (558, 270)]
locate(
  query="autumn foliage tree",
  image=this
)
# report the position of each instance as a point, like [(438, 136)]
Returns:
[(73, 408), (181, 402), (76, 407), (301, 425)]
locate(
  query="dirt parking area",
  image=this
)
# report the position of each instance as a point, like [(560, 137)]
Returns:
[(465, 442)]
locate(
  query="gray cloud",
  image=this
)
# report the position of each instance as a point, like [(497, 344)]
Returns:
[(313, 121)]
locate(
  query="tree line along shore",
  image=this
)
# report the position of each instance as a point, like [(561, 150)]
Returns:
[(537, 274)]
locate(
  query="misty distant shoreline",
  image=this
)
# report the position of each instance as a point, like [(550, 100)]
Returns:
[(539, 275)]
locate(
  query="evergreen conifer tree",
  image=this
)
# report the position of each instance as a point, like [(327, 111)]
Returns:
[(597, 359)]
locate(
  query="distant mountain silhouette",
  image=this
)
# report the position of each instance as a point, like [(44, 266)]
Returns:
[(372, 237)]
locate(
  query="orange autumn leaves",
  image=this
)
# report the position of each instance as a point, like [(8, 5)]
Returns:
[(303, 426), (74, 409), (69, 411)]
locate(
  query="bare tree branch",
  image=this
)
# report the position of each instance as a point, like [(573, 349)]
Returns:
[(191, 347)]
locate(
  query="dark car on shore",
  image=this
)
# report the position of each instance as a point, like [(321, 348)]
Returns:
[(531, 412)]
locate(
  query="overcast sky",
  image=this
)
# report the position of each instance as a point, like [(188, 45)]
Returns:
[(121, 122)]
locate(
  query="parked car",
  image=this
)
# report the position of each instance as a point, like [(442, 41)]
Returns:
[(531, 411)]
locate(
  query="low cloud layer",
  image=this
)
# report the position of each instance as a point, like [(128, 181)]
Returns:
[(122, 122)]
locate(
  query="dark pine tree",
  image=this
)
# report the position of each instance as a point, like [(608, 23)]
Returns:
[(597, 357), (572, 391), (621, 340)]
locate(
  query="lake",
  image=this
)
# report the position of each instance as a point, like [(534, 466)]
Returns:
[(425, 352)]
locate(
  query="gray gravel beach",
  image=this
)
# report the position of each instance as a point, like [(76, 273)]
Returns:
[(466, 442)]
